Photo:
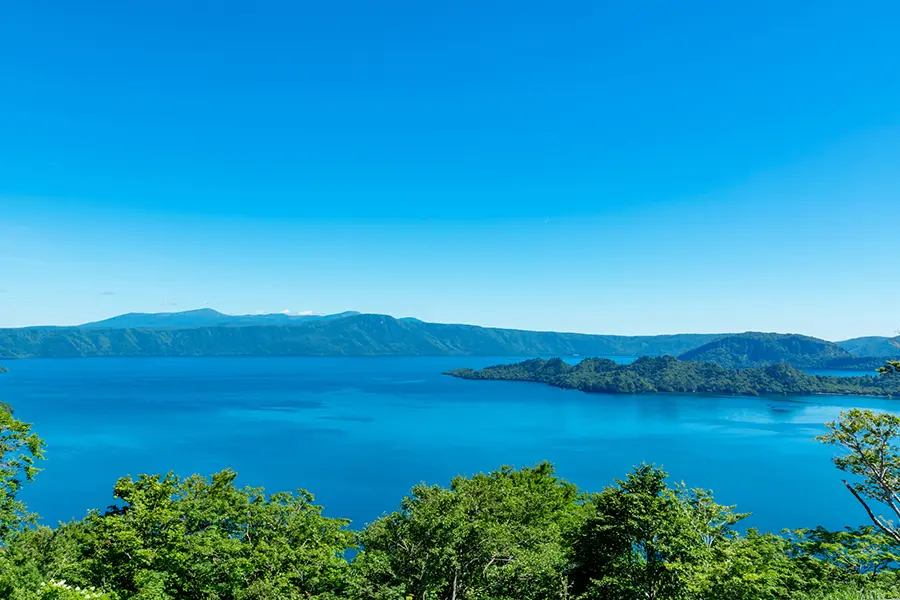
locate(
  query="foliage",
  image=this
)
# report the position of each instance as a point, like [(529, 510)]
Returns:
[(670, 375), (3, 405), (199, 538), (644, 539), (872, 455), (60, 590), (863, 551), (892, 367), (19, 451), (500, 535)]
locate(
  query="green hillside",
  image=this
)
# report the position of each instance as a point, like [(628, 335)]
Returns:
[(748, 350), (872, 346)]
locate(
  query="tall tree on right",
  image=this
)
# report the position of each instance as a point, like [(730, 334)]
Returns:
[(871, 454)]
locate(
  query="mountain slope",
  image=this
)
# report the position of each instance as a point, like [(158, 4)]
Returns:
[(872, 346), (747, 350), (203, 317), (354, 335)]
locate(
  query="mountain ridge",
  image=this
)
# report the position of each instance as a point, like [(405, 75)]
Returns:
[(755, 349), (206, 332), (203, 317), (353, 335), (872, 345)]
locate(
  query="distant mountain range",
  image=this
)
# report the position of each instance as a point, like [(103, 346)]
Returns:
[(204, 317), (206, 332)]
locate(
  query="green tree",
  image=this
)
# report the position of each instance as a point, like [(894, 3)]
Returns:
[(496, 536), (891, 368), (204, 538), (649, 541), (864, 551), (756, 566), (20, 449), (869, 440)]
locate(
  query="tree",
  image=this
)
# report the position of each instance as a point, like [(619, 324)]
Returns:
[(20, 449), (199, 538), (756, 566), (863, 551), (499, 536), (869, 440), (645, 540), (891, 368), (3, 405)]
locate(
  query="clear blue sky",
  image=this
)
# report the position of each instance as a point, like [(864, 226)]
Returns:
[(616, 167)]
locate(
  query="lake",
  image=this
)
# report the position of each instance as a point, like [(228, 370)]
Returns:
[(359, 432)]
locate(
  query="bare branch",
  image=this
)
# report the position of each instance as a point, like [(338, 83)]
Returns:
[(895, 535)]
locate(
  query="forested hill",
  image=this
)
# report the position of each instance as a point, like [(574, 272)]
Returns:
[(747, 350), (666, 374), (353, 335), (872, 346)]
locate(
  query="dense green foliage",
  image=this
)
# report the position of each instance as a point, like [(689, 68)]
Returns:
[(643, 539), (200, 538), (354, 335), (19, 451), (501, 535), (670, 375), (507, 535)]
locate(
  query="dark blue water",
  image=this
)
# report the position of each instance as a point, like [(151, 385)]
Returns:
[(358, 432)]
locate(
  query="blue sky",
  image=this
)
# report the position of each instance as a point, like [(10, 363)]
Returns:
[(610, 167)]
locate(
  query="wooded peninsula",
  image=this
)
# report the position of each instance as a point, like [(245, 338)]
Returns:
[(665, 374)]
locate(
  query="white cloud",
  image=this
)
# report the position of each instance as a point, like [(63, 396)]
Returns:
[(302, 313)]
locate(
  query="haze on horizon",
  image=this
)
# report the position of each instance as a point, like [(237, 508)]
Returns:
[(568, 167)]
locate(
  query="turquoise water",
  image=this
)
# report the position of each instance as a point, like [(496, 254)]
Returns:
[(358, 432)]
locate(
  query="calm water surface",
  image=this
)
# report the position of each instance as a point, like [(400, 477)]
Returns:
[(358, 432)]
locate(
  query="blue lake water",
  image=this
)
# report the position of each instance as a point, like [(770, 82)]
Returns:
[(358, 432)]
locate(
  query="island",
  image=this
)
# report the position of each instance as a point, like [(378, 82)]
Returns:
[(666, 374)]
